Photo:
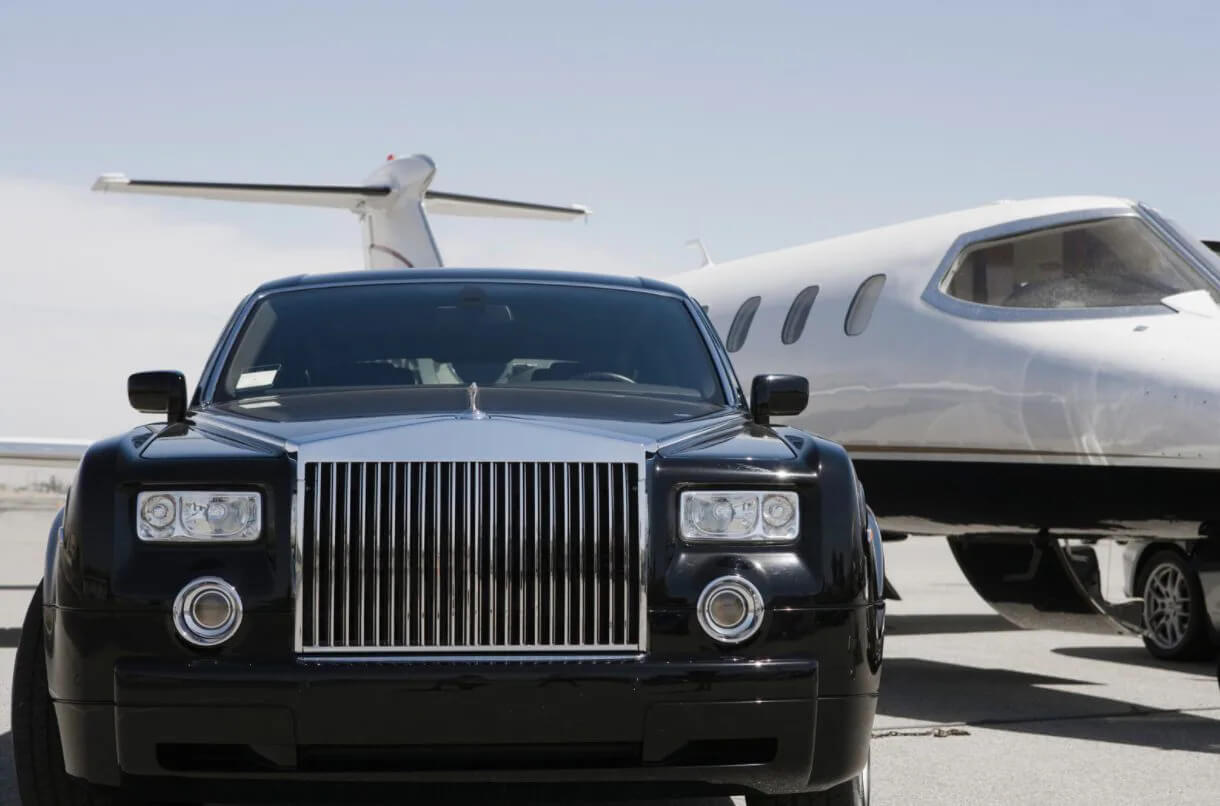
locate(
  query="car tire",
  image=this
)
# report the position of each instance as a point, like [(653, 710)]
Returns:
[(855, 792), (1175, 616), (38, 757)]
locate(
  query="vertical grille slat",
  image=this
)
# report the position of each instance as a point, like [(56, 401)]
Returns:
[(470, 556)]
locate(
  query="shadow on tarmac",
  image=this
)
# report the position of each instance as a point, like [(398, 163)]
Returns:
[(1135, 655), (1002, 699), (933, 623)]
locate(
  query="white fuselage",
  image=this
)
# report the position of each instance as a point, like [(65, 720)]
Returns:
[(1122, 387)]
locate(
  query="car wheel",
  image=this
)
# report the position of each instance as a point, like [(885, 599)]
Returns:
[(38, 757), (1175, 618), (855, 792)]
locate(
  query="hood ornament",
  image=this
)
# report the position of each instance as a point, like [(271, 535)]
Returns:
[(475, 413)]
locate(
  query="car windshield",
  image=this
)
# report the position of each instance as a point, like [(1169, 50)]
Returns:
[(501, 334)]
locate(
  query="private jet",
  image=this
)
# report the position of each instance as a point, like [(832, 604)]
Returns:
[(1034, 380)]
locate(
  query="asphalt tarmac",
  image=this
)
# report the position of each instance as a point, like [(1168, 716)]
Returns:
[(971, 710)]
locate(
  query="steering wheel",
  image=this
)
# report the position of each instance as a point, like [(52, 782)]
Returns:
[(603, 376)]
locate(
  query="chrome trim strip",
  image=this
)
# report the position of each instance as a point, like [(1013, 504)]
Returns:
[(537, 608), (597, 539), (295, 540), (436, 553), (377, 556), (317, 546), (330, 596), (627, 559), (493, 588), (551, 548), (644, 559), (935, 295), (393, 551), (520, 553), (459, 650), (612, 637), (580, 541), (347, 556), (468, 606), (364, 515), (478, 552), (452, 551), (567, 552), (206, 421), (627, 657)]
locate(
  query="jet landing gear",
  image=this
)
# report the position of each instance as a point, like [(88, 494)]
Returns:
[(1166, 592)]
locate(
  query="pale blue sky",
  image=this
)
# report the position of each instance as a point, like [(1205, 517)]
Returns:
[(754, 125)]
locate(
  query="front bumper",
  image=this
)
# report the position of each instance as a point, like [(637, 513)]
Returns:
[(699, 726)]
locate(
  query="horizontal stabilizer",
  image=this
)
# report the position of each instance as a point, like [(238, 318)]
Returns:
[(42, 452), (346, 197), (458, 204)]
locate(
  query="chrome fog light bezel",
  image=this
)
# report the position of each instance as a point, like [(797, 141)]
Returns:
[(744, 629), (187, 624)]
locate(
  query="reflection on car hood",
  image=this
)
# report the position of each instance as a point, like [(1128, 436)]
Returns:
[(307, 418)]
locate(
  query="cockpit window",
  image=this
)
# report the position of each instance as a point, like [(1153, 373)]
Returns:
[(493, 334), (1113, 262)]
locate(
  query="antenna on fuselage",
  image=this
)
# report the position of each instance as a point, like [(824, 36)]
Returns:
[(393, 206), (697, 243)]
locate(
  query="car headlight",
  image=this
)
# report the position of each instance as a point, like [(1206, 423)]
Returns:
[(753, 516), (174, 515)]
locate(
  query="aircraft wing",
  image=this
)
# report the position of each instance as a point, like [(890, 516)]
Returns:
[(344, 197), (61, 453)]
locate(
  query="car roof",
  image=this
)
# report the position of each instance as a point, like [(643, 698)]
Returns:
[(362, 276)]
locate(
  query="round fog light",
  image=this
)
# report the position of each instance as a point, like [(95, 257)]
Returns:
[(730, 609), (207, 612)]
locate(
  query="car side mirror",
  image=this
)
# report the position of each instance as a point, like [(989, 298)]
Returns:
[(777, 396), (163, 391)]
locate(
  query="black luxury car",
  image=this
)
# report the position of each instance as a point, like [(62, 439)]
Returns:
[(423, 529)]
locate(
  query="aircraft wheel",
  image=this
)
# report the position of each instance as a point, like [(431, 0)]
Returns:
[(1175, 618)]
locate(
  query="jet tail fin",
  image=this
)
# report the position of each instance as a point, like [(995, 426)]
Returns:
[(393, 205)]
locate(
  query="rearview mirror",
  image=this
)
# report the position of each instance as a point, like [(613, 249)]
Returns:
[(163, 391), (777, 396)]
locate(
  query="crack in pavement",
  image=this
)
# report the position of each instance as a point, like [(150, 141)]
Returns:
[(949, 728)]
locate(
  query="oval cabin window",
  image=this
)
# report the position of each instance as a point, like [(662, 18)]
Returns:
[(741, 324), (861, 309), (798, 314)]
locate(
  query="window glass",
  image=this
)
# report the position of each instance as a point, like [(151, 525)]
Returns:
[(495, 334), (1098, 264), (794, 322), (741, 324), (860, 312)]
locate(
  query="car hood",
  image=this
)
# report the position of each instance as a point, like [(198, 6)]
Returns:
[(440, 424)]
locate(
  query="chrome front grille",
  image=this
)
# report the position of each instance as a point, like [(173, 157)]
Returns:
[(469, 557)]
